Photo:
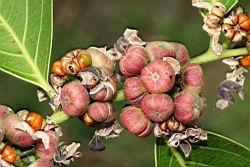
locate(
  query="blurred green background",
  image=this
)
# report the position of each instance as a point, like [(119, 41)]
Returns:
[(81, 23)]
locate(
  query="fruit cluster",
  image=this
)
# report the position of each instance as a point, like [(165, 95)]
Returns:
[(86, 82), (162, 88), (25, 131)]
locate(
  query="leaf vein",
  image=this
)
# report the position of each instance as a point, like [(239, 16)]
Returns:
[(26, 21), (39, 34)]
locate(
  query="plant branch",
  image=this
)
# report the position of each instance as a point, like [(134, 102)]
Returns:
[(210, 56), (59, 117)]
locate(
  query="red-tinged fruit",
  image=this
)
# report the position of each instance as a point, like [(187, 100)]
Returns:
[(42, 163), (181, 53), (74, 99), (100, 58), (102, 113), (160, 49), (135, 121), (158, 77), (57, 68), (105, 90), (193, 77), (4, 111), (8, 154), (133, 60), (134, 90), (157, 107), (16, 136), (245, 61), (188, 107), (43, 153), (35, 120), (2, 130)]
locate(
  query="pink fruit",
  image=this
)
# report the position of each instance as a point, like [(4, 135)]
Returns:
[(2, 130), (43, 153), (193, 77), (105, 90), (181, 53), (100, 58), (158, 77), (133, 60), (188, 107), (101, 112), (16, 136), (42, 163), (134, 90), (74, 99), (4, 111), (157, 107), (135, 121), (160, 49)]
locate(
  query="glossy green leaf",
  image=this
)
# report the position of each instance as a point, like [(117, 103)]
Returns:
[(218, 151), (229, 4), (26, 39)]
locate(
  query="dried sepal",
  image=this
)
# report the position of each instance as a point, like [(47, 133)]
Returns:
[(36, 135), (174, 63), (110, 132), (3, 163), (158, 132), (96, 144), (234, 83), (55, 102), (66, 153), (212, 22), (50, 124), (41, 94), (190, 135)]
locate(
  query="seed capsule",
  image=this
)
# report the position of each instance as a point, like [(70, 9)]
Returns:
[(133, 60), (103, 113), (193, 77), (8, 154), (157, 107), (188, 106), (58, 68), (160, 49), (134, 90), (135, 121), (245, 61), (236, 26), (43, 153), (14, 135), (74, 99), (100, 59), (158, 77), (35, 121)]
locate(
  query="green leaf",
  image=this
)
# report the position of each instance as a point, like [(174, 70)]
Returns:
[(218, 151), (229, 4), (26, 39)]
